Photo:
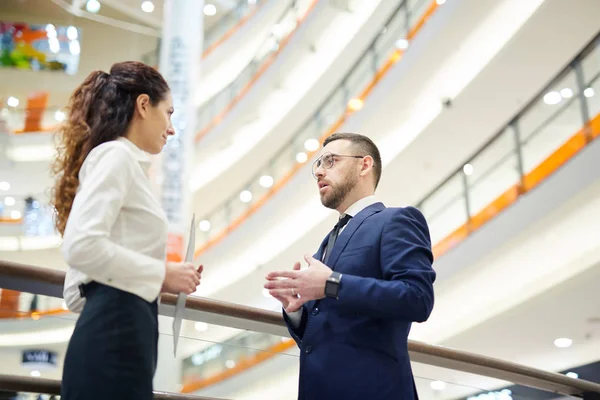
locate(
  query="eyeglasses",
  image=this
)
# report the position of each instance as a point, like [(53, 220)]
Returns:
[(327, 161)]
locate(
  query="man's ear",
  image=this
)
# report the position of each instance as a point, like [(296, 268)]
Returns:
[(367, 165), (142, 104)]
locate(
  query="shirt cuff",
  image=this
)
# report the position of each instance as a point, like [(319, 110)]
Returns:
[(295, 317)]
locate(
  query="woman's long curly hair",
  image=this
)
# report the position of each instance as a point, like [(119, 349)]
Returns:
[(99, 110)]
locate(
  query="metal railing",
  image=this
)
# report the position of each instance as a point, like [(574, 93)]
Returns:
[(49, 282), (384, 51), (213, 109)]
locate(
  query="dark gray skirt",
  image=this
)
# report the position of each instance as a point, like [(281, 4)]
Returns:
[(113, 351)]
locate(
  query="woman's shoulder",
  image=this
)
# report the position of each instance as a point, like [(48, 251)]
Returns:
[(113, 154)]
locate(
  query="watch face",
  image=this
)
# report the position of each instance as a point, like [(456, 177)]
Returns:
[(331, 289)]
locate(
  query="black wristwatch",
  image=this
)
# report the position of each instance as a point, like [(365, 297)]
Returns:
[(332, 286)]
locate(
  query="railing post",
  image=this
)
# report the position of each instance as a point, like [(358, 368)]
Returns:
[(519, 152), (585, 111), (467, 201)]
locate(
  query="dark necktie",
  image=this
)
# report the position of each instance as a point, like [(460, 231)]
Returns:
[(333, 235)]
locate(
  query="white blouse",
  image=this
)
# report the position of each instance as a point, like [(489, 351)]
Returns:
[(116, 233)]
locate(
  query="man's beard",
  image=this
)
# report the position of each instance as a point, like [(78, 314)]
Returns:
[(338, 194)]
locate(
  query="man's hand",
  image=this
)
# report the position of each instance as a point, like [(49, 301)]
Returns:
[(300, 286)]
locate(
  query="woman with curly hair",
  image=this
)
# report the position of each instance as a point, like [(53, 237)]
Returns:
[(114, 232)]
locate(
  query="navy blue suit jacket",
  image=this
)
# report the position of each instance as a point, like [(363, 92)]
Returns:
[(355, 347)]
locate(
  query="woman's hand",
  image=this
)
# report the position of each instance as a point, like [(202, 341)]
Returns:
[(181, 277)]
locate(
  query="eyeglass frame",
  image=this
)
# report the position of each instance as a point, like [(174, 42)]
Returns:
[(332, 163)]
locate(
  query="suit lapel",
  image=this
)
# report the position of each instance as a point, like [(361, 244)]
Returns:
[(351, 228)]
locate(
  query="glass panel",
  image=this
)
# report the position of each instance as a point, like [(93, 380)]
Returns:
[(242, 9), (550, 122), (361, 75), (327, 114), (592, 96), (445, 209), (416, 9), (591, 63), (386, 43), (492, 172)]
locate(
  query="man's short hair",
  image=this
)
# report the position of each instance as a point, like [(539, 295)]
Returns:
[(365, 146)]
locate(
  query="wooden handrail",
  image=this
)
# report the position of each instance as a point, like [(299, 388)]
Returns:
[(27, 384), (45, 281)]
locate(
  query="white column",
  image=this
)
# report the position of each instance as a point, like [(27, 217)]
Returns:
[(180, 58)]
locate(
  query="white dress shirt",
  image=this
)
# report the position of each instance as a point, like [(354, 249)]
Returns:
[(116, 233), (296, 317)]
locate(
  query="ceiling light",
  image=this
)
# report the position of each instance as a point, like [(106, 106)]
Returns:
[(301, 157), (355, 104), (468, 169), (573, 375), (201, 326), (36, 374), (147, 6), (438, 385), (14, 214), (552, 98), (210, 10), (54, 45), (277, 30), (59, 116), (74, 47), (266, 181), (92, 6), (230, 364), (440, 2), (9, 201), (311, 144), (402, 44), (589, 92), (246, 196), (563, 342), (12, 101), (72, 33), (4, 186), (204, 225), (566, 93)]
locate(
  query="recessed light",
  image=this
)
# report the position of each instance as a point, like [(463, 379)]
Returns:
[(246, 196), (9, 201), (230, 364), (147, 6), (301, 157), (438, 385), (402, 44), (4, 186), (36, 374), (468, 169), (566, 93), (573, 375), (266, 181), (563, 343), (355, 104), (589, 92), (204, 225), (72, 33), (12, 101), (59, 116), (311, 144), (93, 6), (14, 214), (210, 10), (552, 98), (201, 326)]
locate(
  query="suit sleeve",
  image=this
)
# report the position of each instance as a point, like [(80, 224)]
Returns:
[(406, 290)]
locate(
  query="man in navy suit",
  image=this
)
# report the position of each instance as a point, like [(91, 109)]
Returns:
[(351, 310)]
